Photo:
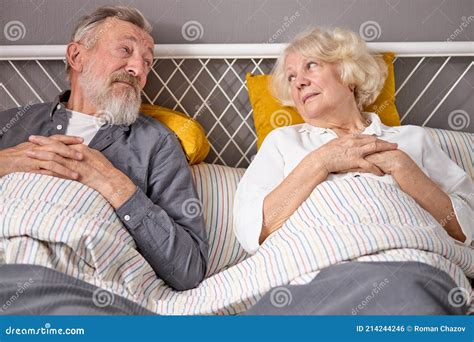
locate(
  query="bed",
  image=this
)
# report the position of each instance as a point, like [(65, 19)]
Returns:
[(235, 280)]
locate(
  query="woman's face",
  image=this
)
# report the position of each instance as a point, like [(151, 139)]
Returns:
[(316, 87)]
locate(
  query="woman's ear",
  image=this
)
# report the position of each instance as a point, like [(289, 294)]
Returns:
[(74, 55)]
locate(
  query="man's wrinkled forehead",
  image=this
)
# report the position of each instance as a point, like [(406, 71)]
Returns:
[(124, 30)]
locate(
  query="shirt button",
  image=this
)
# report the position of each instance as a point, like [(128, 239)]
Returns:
[(126, 217), (58, 106), (59, 127)]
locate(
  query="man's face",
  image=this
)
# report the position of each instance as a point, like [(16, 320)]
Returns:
[(116, 68)]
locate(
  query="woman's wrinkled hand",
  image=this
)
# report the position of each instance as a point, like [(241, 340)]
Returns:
[(393, 162), (349, 153)]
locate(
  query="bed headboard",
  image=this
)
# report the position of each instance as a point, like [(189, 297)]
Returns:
[(434, 80)]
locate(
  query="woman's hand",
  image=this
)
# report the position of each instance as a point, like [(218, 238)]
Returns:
[(413, 181), (349, 153), (392, 162)]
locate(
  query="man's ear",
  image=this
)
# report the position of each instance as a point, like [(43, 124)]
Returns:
[(75, 56)]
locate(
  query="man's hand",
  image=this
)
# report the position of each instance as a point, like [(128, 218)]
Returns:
[(30, 157), (93, 170)]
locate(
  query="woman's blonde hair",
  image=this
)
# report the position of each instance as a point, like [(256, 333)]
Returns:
[(367, 73)]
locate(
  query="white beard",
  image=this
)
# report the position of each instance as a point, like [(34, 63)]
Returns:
[(115, 106)]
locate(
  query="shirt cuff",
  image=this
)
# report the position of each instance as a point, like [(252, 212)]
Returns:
[(134, 209), (464, 216), (248, 224)]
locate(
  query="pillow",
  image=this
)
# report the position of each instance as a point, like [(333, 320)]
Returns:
[(457, 145), (384, 104), (216, 186), (269, 114), (190, 133)]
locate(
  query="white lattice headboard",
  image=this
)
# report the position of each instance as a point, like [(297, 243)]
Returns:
[(207, 82)]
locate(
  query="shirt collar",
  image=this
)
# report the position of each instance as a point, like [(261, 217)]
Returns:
[(57, 103), (375, 127), (63, 97)]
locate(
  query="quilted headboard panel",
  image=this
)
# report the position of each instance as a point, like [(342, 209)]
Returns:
[(207, 82)]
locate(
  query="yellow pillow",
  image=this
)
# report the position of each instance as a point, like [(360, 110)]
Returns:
[(190, 133), (384, 104), (269, 114)]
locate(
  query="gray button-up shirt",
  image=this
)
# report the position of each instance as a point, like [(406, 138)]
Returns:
[(173, 241)]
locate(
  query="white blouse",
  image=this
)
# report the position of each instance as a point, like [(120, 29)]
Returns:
[(284, 148)]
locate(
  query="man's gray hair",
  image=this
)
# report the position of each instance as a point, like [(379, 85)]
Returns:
[(88, 30)]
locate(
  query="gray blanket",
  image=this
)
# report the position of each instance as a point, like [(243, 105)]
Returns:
[(37, 290)]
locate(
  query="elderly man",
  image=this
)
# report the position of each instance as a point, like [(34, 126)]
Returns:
[(95, 135)]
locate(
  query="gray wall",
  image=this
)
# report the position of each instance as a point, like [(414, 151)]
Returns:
[(250, 21), (263, 21)]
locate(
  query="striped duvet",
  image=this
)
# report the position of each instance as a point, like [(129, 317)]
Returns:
[(69, 227)]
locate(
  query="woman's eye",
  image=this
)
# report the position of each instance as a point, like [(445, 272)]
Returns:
[(291, 78), (312, 65), (125, 49)]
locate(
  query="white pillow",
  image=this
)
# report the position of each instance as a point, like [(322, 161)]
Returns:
[(216, 186), (457, 145)]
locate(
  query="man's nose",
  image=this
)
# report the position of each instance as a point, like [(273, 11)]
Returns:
[(136, 68)]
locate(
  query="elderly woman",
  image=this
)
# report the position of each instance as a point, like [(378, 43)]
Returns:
[(328, 76)]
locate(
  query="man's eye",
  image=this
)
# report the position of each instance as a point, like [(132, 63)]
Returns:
[(125, 49)]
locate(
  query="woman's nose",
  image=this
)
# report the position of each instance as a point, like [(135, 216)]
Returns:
[(302, 81)]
